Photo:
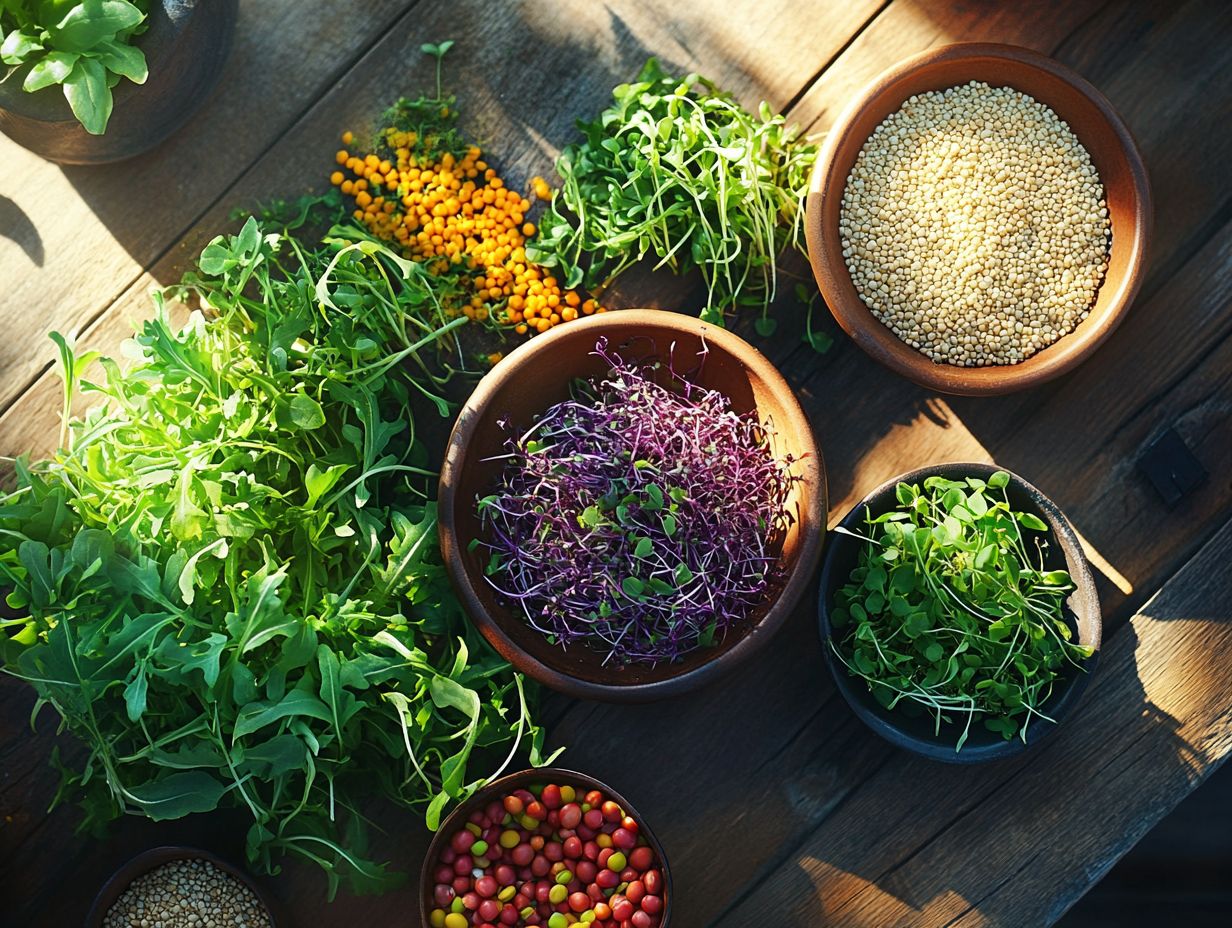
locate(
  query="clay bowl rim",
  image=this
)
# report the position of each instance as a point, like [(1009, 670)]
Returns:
[(723, 659), (155, 857), (885, 723), (825, 247), (521, 778)]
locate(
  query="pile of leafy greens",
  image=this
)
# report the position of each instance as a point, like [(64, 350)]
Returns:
[(228, 582), (677, 170)]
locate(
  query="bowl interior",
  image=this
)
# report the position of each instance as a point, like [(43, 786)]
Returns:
[(156, 857), (912, 729), (524, 779), (540, 374), (1097, 127)]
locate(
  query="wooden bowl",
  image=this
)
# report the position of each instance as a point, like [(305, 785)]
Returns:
[(186, 45), (539, 374), (916, 732), (156, 857), (495, 789), (1098, 127)]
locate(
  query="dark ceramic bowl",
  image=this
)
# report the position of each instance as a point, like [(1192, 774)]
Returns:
[(156, 857), (186, 46), (1098, 127), (915, 732), (539, 374), (494, 790)]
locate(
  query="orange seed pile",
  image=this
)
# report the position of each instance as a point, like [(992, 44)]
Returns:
[(445, 211)]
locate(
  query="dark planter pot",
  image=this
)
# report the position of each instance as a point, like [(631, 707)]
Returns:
[(915, 732), (186, 45)]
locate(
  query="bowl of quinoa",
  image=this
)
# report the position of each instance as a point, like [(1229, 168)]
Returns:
[(979, 218)]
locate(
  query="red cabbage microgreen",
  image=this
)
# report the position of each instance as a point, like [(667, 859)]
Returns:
[(643, 517)]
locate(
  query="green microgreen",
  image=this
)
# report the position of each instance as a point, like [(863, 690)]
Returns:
[(677, 171), (952, 608), (227, 582)]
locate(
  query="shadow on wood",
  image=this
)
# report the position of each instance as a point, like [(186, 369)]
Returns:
[(16, 226)]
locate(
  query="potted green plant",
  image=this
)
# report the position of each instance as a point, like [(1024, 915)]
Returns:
[(90, 81)]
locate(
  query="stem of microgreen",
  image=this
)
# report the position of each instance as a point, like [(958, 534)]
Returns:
[(956, 591)]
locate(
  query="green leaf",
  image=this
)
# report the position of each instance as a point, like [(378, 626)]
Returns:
[(590, 517), (318, 482), (654, 497), (987, 557), (765, 326), (435, 808), (644, 547), (448, 693), (177, 795), (34, 557), (52, 68), (93, 22), (135, 695), (125, 60), (17, 46), (280, 755), (301, 412), (296, 704), (1031, 521), (977, 504), (260, 616), (88, 95), (188, 520), (999, 479), (632, 587), (204, 655)]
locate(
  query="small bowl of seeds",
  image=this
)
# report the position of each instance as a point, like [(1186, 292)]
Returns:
[(181, 887), (979, 218)]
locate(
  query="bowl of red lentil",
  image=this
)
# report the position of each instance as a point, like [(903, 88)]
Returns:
[(181, 887), (979, 219), (548, 847)]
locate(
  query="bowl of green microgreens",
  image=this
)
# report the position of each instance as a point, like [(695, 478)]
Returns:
[(958, 613), (631, 505)]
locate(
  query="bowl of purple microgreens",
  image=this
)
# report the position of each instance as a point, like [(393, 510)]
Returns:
[(631, 505)]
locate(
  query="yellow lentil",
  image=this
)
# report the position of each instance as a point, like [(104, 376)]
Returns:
[(447, 210)]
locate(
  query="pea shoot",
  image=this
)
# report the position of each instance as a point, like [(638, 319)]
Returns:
[(952, 608), (676, 170)]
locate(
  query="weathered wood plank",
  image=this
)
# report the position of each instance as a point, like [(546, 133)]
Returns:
[(72, 238), (905, 29), (872, 426), (1016, 843), (576, 59), (747, 771), (1071, 436), (1177, 873), (573, 61)]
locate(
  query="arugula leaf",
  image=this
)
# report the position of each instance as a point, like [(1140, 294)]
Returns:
[(228, 579)]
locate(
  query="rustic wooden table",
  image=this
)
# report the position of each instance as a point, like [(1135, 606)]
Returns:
[(775, 804)]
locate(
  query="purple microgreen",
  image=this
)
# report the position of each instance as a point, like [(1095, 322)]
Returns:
[(644, 518)]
